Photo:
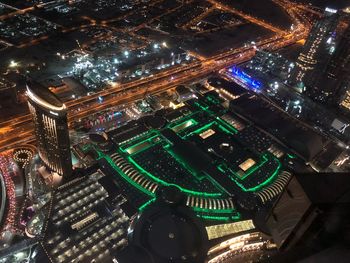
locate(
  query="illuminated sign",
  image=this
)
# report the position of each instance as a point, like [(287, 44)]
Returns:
[(331, 10), (244, 77)]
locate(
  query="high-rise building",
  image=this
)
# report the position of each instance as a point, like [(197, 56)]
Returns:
[(331, 84), (344, 98), (51, 129), (316, 53), (339, 66), (338, 71)]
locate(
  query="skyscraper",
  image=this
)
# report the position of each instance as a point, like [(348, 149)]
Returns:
[(316, 53), (51, 129), (338, 71), (331, 83)]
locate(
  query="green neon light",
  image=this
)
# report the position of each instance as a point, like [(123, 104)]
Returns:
[(145, 205), (227, 125), (224, 169), (139, 143), (198, 211), (222, 128), (202, 107), (222, 125), (220, 218), (291, 156), (213, 100), (162, 182), (268, 181), (219, 211), (189, 116), (201, 129), (255, 167), (137, 138), (221, 169), (186, 124)]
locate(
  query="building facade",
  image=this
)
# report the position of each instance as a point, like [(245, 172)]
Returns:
[(338, 72), (316, 54), (51, 129)]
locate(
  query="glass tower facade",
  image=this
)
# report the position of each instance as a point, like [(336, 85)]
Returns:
[(51, 129), (316, 54)]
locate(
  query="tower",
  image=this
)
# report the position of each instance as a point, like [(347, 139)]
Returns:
[(51, 128), (316, 53), (338, 70)]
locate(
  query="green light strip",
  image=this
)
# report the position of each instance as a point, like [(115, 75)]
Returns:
[(205, 108), (220, 218), (227, 125), (201, 129), (134, 145), (199, 214), (219, 211), (189, 116), (145, 205), (291, 156), (187, 124), (161, 182), (255, 167), (138, 138), (268, 181), (213, 100)]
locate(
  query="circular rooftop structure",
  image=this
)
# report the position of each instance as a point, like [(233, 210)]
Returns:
[(169, 230), (98, 137), (154, 121)]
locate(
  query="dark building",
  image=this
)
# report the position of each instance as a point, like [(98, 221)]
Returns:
[(166, 231), (313, 60), (311, 218), (51, 129), (8, 93)]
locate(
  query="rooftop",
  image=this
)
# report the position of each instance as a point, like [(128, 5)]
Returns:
[(44, 96)]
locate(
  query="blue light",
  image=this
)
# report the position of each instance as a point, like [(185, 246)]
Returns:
[(245, 78), (100, 99)]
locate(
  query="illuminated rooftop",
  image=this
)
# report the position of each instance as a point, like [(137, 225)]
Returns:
[(44, 97)]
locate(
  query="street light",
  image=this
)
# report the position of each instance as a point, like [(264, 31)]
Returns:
[(13, 64)]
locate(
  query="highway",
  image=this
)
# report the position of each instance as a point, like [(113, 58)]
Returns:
[(19, 131)]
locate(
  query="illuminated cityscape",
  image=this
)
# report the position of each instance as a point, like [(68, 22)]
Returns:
[(158, 131)]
